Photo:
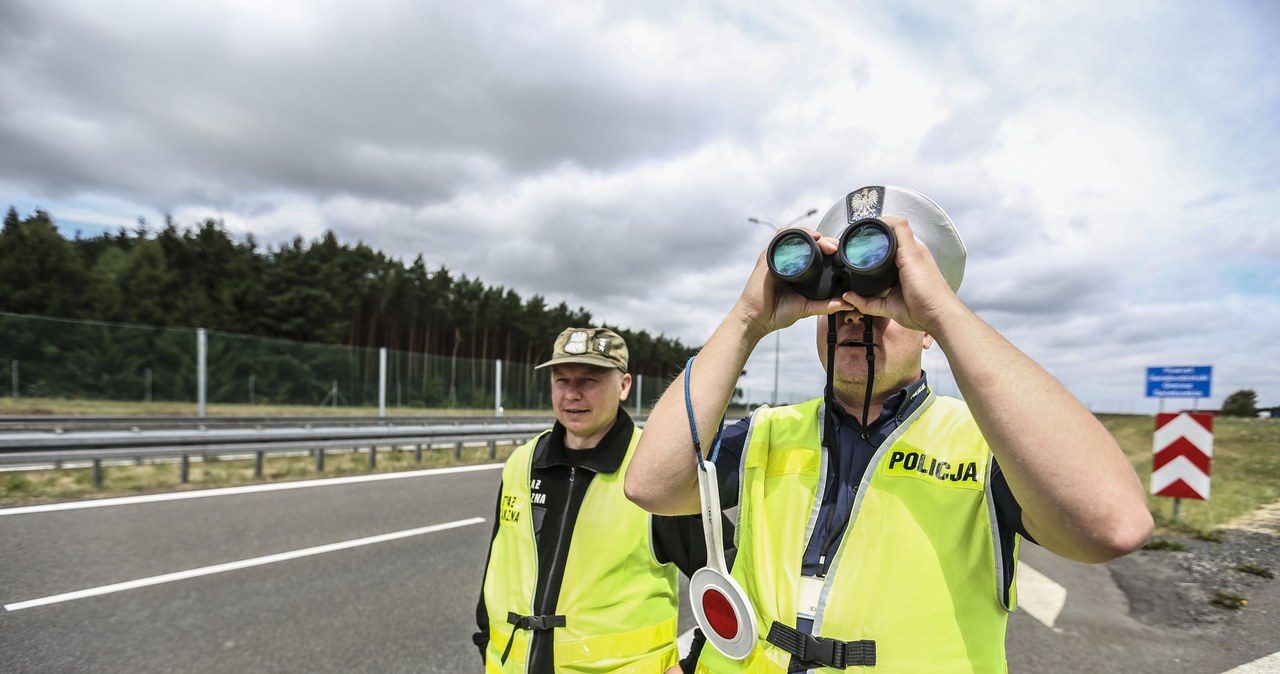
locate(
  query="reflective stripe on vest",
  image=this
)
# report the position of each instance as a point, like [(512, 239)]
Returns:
[(918, 569), (620, 605)]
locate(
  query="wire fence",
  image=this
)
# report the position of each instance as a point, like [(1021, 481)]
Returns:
[(71, 359), (61, 358)]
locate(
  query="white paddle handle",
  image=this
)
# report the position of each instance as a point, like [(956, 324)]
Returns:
[(709, 489)]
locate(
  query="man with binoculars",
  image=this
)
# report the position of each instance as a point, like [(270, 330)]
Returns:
[(878, 525)]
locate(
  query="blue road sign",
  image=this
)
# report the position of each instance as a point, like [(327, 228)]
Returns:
[(1187, 381)]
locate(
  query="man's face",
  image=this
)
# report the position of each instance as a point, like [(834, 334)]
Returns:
[(897, 351), (585, 399)]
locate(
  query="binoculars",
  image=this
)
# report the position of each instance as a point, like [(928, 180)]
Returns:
[(864, 261)]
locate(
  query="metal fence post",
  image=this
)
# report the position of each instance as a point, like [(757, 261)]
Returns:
[(97, 473), (373, 456), (185, 471), (417, 453), (257, 464), (320, 459), (15, 378), (497, 388), (202, 353), (382, 381), (639, 392)]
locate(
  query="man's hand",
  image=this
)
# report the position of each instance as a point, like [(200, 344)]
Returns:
[(768, 303), (922, 300)]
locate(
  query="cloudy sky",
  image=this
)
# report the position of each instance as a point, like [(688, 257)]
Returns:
[(1114, 167)]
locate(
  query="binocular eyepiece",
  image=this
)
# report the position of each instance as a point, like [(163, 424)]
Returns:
[(864, 261)]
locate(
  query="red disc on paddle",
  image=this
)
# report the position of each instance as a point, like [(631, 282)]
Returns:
[(719, 612)]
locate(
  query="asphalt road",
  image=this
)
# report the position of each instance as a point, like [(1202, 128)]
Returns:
[(406, 604), (1093, 628), (1097, 633)]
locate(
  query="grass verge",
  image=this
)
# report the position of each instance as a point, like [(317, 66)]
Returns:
[(1245, 472)]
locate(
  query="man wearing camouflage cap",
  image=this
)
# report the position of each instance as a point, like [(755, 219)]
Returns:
[(578, 578)]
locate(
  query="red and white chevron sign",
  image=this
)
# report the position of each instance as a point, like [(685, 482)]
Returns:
[(1183, 449)]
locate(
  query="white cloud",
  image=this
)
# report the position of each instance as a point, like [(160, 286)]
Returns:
[(1114, 176)]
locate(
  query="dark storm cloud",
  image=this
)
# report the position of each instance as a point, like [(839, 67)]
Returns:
[(406, 104)]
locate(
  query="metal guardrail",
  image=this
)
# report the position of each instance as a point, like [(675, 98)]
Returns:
[(59, 448)]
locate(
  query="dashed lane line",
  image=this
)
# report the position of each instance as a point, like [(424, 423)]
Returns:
[(1039, 595), (1265, 665)]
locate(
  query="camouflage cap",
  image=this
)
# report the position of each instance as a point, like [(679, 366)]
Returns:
[(589, 346)]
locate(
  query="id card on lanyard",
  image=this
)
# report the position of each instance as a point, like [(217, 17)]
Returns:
[(810, 595)]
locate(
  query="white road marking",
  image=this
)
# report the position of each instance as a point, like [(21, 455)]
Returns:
[(1264, 665), (1039, 595), (234, 566), (249, 489)]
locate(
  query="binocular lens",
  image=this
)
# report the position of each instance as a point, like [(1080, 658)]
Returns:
[(792, 254), (864, 261), (868, 246)]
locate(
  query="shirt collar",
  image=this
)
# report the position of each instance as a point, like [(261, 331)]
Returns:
[(901, 404), (605, 457)]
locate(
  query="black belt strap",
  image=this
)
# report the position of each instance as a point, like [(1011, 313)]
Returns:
[(823, 651), (529, 622)]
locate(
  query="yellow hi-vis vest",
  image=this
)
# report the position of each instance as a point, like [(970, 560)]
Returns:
[(620, 604), (918, 569)]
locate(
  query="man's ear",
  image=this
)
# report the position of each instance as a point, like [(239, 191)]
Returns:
[(928, 340), (626, 386)]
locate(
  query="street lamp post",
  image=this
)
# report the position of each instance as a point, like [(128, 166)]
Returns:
[(777, 336)]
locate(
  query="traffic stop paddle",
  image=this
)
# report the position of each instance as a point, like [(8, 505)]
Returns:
[(719, 604)]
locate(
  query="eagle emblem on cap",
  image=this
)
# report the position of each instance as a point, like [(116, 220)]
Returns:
[(865, 203), (577, 343)]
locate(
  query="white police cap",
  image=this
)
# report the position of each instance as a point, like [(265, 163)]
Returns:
[(928, 221)]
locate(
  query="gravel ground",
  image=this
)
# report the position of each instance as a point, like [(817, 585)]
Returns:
[(1212, 585)]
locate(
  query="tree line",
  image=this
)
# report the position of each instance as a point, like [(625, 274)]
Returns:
[(323, 291)]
